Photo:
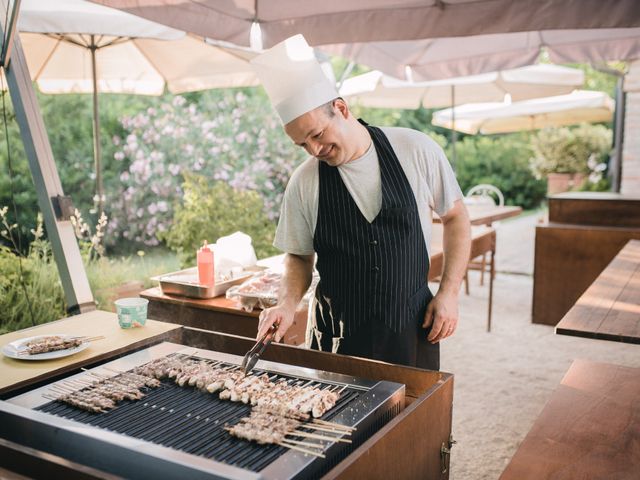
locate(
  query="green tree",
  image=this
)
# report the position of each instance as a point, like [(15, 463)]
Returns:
[(503, 162)]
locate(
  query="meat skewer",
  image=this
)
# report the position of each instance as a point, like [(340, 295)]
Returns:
[(263, 426), (292, 402), (54, 343)]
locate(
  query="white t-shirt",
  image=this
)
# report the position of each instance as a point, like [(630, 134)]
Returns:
[(424, 163)]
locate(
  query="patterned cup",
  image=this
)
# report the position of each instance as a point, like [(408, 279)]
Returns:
[(132, 312)]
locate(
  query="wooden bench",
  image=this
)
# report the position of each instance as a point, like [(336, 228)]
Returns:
[(589, 429), (610, 308)]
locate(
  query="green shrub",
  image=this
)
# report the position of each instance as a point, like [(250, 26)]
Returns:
[(210, 210), (567, 150), (503, 162), (30, 288)]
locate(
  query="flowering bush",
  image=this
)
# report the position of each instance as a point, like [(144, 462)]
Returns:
[(227, 136), (569, 150)]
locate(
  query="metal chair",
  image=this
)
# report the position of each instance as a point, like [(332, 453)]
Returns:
[(484, 194)]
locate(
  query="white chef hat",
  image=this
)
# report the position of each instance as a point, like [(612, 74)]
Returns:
[(293, 78)]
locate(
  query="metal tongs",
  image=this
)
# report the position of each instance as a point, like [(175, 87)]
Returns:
[(251, 358)]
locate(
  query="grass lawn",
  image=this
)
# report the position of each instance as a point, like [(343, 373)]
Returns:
[(31, 292)]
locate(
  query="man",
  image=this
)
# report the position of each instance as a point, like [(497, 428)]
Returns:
[(362, 203)]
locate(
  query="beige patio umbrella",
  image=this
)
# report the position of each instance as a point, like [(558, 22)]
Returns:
[(74, 46), (487, 118), (375, 20), (374, 89)]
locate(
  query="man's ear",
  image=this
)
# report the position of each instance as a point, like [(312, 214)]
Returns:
[(342, 107)]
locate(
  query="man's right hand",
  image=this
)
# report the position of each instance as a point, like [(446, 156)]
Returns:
[(295, 282), (279, 314)]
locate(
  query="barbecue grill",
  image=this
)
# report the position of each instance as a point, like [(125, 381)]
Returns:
[(177, 432)]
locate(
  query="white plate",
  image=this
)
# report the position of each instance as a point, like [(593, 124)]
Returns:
[(13, 349)]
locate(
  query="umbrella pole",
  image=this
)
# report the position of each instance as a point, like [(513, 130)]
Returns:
[(96, 128)]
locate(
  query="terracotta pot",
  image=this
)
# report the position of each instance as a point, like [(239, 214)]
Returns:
[(563, 182)]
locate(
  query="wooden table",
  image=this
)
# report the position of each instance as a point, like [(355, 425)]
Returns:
[(487, 214), (17, 373), (483, 240), (610, 308), (219, 314), (589, 429)]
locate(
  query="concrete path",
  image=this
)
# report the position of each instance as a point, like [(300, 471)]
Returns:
[(515, 243), (504, 378)]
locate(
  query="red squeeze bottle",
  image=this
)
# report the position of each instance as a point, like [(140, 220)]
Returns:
[(205, 265)]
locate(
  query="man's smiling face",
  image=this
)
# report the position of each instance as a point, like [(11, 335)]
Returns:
[(322, 132)]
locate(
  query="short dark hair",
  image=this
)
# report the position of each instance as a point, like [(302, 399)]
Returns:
[(328, 107)]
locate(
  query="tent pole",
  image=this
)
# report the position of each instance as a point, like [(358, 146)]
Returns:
[(96, 129), (51, 200), (615, 161), (615, 166), (454, 133)]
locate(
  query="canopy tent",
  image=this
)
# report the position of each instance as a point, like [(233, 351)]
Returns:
[(374, 89), (487, 118), (438, 58), (377, 20), (78, 46)]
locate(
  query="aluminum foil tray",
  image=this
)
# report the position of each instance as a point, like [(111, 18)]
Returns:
[(185, 283)]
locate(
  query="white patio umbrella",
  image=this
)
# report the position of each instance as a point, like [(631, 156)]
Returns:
[(75, 46), (374, 89), (441, 58), (376, 20), (577, 107)]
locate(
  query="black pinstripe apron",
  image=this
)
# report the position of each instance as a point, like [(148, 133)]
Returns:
[(373, 290)]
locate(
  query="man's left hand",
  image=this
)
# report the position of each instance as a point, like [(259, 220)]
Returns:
[(442, 313)]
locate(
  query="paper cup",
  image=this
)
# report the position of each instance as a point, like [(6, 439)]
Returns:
[(132, 312)]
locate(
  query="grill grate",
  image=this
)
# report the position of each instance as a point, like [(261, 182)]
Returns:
[(191, 421)]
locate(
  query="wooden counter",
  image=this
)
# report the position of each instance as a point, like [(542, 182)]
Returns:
[(218, 314), (605, 209), (584, 233), (588, 430), (610, 308), (568, 259), (16, 373)]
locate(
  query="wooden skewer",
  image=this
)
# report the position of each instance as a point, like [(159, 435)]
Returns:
[(54, 388), (300, 449), (343, 388), (298, 433), (78, 385), (88, 339), (326, 428), (111, 369), (61, 386), (306, 444), (91, 372), (60, 392), (337, 426)]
